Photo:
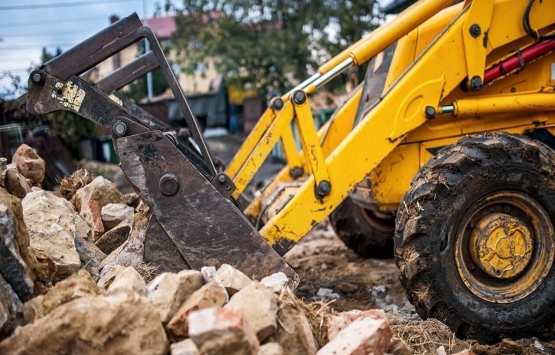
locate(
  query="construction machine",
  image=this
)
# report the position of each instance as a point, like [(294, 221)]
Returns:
[(447, 146)]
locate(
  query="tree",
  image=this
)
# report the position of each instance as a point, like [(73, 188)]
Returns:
[(268, 42)]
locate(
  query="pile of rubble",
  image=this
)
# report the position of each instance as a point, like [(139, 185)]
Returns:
[(72, 280)]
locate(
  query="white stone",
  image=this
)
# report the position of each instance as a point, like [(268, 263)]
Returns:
[(128, 280), (363, 336), (115, 213), (222, 331), (275, 281), (51, 224), (232, 279), (270, 349), (185, 347), (168, 291), (259, 306)]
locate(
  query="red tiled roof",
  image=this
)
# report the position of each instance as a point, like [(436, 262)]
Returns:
[(163, 27)]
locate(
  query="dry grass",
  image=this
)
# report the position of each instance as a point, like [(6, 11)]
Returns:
[(147, 271), (317, 313), (68, 186), (426, 337)]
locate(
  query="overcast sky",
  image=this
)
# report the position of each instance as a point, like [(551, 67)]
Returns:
[(28, 25)]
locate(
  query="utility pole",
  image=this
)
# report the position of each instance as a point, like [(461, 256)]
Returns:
[(147, 49)]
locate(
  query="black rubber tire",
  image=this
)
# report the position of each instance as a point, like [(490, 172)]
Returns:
[(353, 229), (431, 212)]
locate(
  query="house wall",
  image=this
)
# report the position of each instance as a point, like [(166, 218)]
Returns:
[(202, 82)]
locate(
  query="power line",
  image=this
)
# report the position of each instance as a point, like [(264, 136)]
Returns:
[(15, 59), (30, 46), (61, 21), (41, 34), (63, 4)]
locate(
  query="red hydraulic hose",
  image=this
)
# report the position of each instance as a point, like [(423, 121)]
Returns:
[(519, 60)]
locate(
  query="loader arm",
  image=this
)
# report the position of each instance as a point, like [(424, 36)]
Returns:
[(324, 172), (194, 222)]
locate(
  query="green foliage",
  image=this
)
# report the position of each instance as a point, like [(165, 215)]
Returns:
[(268, 42)]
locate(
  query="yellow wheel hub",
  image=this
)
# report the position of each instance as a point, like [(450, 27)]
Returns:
[(501, 245)]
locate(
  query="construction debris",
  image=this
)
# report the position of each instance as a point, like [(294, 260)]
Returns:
[(60, 292), (168, 291), (260, 314), (29, 164)]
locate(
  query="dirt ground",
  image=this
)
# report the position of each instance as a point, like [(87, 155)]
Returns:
[(334, 276)]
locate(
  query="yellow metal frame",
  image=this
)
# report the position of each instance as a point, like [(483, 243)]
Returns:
[(344, 156)]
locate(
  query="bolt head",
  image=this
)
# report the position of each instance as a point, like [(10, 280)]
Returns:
[(119, 128), (296, 172), (299, 97), (475, 30), (430, 112), (277, 103), (37, 78), (476, 83), (324, 188), (221, 179), (169, 184)]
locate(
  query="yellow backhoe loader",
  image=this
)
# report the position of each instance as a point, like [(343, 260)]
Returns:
[(447, 145)]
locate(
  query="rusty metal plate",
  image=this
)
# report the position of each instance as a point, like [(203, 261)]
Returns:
[(206, 228), (160, 251)]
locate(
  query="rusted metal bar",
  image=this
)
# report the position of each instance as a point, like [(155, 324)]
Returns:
[(66, 65), (128, 73)]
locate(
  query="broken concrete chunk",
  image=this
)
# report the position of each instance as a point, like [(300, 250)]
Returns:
[(131, 252), (11, 309), (209, 295), (132, 199), (110, 273), (470, 352), (168, 291), (90, 199), (101, 190), (270, 349), (185, 347), (128, 280), (210, 274), (363, 336), (115, 237), (121, 324), (15, 183), (232, 279), (259, 306), (90, 256), (29, 164), (275, 281), (115, 213), (31, 308), (340, 321), (293, 332), (222, 331), (76, 286), (51, 224), (14, 247), (3, 166), (91, 215)]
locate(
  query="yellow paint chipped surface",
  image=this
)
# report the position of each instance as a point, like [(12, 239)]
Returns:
[(69, 95)]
